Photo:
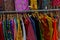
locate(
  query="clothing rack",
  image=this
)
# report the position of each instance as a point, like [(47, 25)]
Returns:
[(31, 11)]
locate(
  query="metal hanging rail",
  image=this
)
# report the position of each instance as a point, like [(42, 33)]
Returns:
[(30, 10)]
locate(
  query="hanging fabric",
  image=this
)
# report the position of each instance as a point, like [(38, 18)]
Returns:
[(9, 5), (15, 28), (56, 3), (4, 27), (29, 27), (39, 4), (45, 28), (23, 26), (49, 19), (33, 24), (59, 29), (37, 27), (29, 30), (12, 26), (9, 33), (1, 29), (44, 4), (1, 5), (19, 31), (33, 4), (55, 32), (21, 5)]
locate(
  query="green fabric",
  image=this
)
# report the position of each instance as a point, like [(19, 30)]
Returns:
[(41, 37), (5, 30)]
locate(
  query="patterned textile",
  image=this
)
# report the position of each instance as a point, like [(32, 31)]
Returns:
[(21, 5), (56, 2), (8, 5), (45, 29)]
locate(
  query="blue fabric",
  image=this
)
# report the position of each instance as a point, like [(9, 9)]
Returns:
[(8, 29), (11, 28), (33, 24), (44, 3)]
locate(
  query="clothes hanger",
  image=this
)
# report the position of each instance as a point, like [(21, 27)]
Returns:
[(25, 15), (11, 16), (14, 15), (51, 14), (20, 16), (4, 17), (34, 14), (41, 15), (17, 16), (8, 16)]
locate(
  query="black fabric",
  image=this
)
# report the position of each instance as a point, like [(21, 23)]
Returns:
[(39, 4), (21, 27), (37, 27)]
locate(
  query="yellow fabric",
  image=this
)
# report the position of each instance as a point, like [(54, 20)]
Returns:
[(33, 4), (19, 32), (50, 26)]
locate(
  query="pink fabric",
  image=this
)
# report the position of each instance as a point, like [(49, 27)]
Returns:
[(56, 2), (29, 30), (15, 31), (21, 5)]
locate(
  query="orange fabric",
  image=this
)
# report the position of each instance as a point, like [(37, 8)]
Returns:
[(55, 32)]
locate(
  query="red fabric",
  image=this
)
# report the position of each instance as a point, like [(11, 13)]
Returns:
[(29, 30), (1, 1), (1, 5), (55, 32), (56, 2), (1, 31), (45, 29)]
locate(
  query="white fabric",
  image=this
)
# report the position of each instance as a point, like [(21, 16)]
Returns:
[(24, 32)]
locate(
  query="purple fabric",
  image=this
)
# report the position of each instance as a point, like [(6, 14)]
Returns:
[(21, 5), (12, 27)]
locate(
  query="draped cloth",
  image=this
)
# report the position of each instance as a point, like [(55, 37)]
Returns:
[(1, 5), (8, 5), (21, 5), (56, 2)]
